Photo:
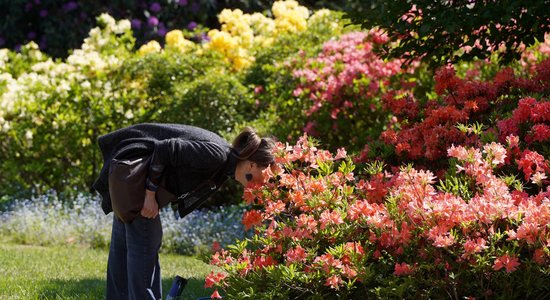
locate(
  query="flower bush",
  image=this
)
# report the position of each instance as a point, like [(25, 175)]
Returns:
[(325, 230), (343, 86), (242, 35), (465, 112), (51, 220), (52, 111)]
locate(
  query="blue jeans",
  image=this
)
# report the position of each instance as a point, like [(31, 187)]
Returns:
[(133, 270)]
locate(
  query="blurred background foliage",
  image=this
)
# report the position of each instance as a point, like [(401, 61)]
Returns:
[(59, 26)]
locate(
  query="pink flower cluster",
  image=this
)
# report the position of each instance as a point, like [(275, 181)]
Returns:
[(345, 77), (330, 227)]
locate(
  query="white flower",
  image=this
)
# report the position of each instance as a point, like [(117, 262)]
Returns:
[(86, 85), (129, 114), (122, 26), (28, 135), (537, 178), (3, 58), (106, 19)]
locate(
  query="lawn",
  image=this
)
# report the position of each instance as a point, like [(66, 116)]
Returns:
[(34, 272)]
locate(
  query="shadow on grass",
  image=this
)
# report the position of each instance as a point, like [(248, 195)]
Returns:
[(95, 289)]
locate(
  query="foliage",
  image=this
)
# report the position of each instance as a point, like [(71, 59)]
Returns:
[(439, 32), (325, 230), (50, 220)]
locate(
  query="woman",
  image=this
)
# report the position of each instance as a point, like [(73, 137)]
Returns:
[(183, 158)]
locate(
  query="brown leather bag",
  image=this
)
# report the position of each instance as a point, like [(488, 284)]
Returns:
[(127, 187)]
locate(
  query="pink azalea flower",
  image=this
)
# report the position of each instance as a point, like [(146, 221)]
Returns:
[(215, 295), (402, 269), (510, 263), (334, 282)]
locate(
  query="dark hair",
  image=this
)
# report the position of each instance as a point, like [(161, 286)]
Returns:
[(249, 146)]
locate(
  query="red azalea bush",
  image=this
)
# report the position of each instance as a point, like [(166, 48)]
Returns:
[(322, 231), (342, 87), (466, 112)]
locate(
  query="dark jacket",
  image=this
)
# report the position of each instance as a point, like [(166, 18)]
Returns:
[(183, 157)]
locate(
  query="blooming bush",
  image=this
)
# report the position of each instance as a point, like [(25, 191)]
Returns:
[(465, 112), (324, 230), (51, 220), (343, 86), (242, 35)]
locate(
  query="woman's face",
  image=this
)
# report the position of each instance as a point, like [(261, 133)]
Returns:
[(247, 167)]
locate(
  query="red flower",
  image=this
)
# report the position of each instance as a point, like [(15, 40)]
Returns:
[(531, 162), (402, 269), (506, 261), (252, 218), (215, 295), (213, 279), (446, 80)]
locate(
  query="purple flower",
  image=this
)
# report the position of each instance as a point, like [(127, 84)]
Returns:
[(161, 31), (204, 37), (36, 1), (155, 7), (28, 7), (31, 35), (136, 23), (70, 6), (43, 13), (153, 21), (191, 25), (2, 41), (183, 2)]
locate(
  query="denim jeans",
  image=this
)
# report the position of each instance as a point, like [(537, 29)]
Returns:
[(133, 270)]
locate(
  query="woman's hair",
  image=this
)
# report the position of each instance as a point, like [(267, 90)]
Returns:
[(249, 146)]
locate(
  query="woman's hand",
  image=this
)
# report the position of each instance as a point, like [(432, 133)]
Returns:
[(150, 206)]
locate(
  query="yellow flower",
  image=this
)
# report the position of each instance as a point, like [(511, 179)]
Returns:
[(221, 41), (151, 47), (174, 37), (290, 16), (176, 40)]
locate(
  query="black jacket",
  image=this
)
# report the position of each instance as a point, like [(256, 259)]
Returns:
[(184, 156)]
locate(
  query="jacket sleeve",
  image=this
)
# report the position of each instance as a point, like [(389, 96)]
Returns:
[(201, 155)]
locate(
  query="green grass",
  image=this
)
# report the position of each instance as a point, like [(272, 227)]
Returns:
[(35, 272)]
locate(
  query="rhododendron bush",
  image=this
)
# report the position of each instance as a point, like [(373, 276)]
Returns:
[(326, 229), (342, 87), (468, 112)]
